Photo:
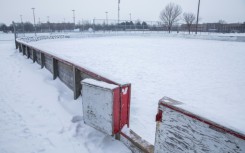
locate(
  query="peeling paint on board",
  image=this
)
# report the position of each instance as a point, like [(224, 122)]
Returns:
[(179, 132)]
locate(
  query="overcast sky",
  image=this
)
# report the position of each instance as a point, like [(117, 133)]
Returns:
[(210, 10)]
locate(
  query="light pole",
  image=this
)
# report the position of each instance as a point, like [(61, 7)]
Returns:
[(118, 12), (130, 20), (23, 30), (74, 18), (64, 25), (48, 23), (33, 9), (106, 16), (197, 15)]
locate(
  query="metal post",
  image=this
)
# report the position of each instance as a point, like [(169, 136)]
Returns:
[(33, 9), (197, 15)]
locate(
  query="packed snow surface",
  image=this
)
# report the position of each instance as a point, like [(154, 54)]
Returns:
[(38, 114), (207, 75)]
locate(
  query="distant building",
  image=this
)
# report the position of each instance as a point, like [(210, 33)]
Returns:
[(216, 27)]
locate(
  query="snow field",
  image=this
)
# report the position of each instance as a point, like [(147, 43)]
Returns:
[(38, 114), (206, 75)]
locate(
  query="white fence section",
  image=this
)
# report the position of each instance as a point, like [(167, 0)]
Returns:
[(181, 131)]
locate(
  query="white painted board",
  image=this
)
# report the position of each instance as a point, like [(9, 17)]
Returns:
[(98, 105), (179, 133)]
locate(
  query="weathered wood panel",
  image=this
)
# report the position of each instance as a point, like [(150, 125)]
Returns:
[(31, 53), (135, 143), (86, 76), (34, 56), (55, 68), (28, 52), (177, 132), (98, 104), (65, 73), (77, 87), (42, 60), (48, 63), (24, 50), (38, 56)]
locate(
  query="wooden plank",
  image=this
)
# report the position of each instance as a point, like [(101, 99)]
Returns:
[(23, 50), (76, 82), (28, 52), (135, 143), (55, 68), (34, 56), (42, 57)]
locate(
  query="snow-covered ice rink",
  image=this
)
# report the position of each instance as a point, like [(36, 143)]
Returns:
[(207, 75)]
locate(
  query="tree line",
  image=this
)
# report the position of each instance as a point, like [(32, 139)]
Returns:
[(170, 16)]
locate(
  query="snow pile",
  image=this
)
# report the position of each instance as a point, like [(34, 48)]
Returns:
[(38, 38), (38, 114)]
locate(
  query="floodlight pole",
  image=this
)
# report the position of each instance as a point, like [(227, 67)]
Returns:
[(106, 13), (197, 15), (74, 18), (130, 20), (23, 29), (33, 9), (48, 23)]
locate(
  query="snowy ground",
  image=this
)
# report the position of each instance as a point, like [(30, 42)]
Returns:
[(208, 75), (36, 112)]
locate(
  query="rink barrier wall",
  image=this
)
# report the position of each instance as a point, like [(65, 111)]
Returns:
[(179, 130), (71, 75)]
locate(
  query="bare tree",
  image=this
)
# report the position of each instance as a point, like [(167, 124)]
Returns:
[(189, 18), (221, 25), (170, 15)]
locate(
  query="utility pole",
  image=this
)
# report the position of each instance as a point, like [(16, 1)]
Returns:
[(23, 29), (74, 18), (197, 15), (33, 9)]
